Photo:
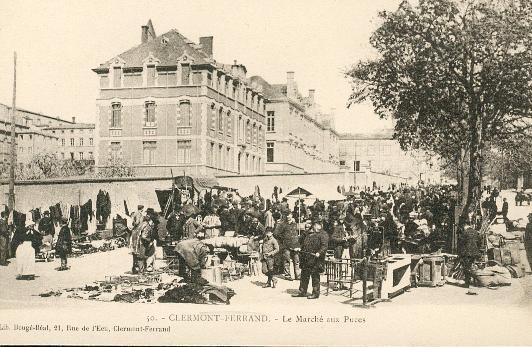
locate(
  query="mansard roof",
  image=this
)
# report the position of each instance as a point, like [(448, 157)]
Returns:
[(166, 48)]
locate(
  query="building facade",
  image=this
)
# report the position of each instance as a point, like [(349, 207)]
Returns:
[(381, 153), (75, 141), (299, 137), (166, 106)]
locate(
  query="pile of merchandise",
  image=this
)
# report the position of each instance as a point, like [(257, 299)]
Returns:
[(153, 287), (95, 244)]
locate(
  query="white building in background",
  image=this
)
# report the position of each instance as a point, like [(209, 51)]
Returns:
[(379, 152), (300, 138)]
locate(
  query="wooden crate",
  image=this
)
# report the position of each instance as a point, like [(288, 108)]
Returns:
[(429, 270)]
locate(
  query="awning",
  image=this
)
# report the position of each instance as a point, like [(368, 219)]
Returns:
[(199, 183)]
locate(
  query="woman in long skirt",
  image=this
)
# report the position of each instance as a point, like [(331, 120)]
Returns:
[(29, 242)]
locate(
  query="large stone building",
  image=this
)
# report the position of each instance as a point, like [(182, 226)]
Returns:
[(380, 153), (167, 106), (299, 137)]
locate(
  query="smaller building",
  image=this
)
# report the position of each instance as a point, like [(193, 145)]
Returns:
[(76, 140), (38, 133), (379, 152)]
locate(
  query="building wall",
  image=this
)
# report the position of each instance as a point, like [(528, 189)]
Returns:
[(386, 156), (300, 143), (83, 146), (30, 143), (241, 130)]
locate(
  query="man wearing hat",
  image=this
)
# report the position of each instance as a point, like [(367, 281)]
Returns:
[(270, 247), (528, 239), (286, 233), (469, 251), (313, 248), (63, 246)]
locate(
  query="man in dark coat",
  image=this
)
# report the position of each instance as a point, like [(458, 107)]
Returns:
[(337, 233), (286, 233), (4, 239), (63, 246), (505, 209), (270, 248), (192, 255), (469, 252), (313, 248), (528, 239)]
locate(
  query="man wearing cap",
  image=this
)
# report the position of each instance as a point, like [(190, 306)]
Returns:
[(528, 239), (469, 252), (270, 247), (63, 246), (286, 233), (313, 248)]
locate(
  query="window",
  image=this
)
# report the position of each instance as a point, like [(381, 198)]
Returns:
[(116, 116), (184, 119), (72, 142), (270, 121), (115, 149), (342, 162), (229, 123), (269, 152), (149, 114), (148, 150), (91, 141), (220, 160), (220, 120), (150, 78), (62, 155), (81, 141), (63, 142), (91, 155), (117, 77), (183, 152), (213, 155), (72, 155), (228, 159), (185, 74), (80, 155)]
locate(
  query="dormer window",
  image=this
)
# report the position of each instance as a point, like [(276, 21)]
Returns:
[(185, 74), (150, 75), (117, 77)]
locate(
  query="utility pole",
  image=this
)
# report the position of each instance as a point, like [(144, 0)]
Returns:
[(11, 199)]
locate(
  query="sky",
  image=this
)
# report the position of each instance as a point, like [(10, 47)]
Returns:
[(59, 42)]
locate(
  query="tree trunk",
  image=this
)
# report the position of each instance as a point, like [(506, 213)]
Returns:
[(472, 190)]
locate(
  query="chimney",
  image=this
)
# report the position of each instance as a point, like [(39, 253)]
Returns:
[(148, 33), (311, 95), (206, 44), (291, 89), (73, 119), (144, 38)]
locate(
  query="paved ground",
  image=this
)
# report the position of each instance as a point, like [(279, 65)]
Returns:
[(443, 315)]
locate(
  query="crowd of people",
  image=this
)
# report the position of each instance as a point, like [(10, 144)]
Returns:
[(292, 241)]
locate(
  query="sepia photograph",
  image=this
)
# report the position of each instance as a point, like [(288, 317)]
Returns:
[(281, 173)]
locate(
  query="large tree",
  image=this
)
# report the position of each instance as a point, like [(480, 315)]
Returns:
[(454, 75)]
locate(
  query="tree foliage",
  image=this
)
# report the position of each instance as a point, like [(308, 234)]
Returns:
[(453, 74), (116, 167)]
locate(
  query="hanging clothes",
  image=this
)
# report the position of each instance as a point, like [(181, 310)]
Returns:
[(103, 206), (85, 213)]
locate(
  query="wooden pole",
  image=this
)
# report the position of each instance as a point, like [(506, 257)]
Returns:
[(11, 200)]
